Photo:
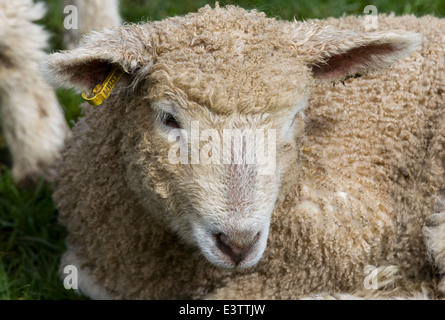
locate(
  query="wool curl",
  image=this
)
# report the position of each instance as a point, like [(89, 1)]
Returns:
[(358, 190)]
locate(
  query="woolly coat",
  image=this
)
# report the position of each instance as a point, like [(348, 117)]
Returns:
[(359, 189), (32, 120)]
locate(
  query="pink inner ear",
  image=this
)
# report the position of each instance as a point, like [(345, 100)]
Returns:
[(90, 74), (353, 62)]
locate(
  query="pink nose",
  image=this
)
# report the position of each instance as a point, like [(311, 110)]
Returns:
[(235, 251)]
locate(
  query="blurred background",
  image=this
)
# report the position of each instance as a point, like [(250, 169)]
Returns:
[(31, 241)]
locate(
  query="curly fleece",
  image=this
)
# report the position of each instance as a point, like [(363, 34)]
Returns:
[(358, 191)]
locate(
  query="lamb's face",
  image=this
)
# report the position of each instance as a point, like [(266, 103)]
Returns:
[(214, 139), (216, 175), (202, 77)]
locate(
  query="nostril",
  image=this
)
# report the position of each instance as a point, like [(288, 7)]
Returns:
[(225, 240), (236, 252)]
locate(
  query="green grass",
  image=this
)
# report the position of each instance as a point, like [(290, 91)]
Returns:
[(31, 241)]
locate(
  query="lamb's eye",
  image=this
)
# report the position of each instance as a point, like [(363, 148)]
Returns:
[(170, 121)]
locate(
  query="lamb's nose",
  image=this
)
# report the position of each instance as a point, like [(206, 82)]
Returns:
[(235, 251)]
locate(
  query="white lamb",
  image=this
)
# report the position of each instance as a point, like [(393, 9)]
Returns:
[(356, 178)]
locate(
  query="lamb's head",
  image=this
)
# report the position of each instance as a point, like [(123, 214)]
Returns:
[(192, 84)]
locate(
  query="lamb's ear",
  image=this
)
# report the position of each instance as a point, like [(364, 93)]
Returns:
[(130, 47), (338, 55)]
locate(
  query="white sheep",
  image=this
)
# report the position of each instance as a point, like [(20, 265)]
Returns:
[(90, 15), (357, 170), (32, 120)]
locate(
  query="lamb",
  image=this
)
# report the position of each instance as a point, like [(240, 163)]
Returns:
[(91, 15), (33, 122), (357, 185)]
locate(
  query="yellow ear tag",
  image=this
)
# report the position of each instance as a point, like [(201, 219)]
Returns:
[(102, 91)]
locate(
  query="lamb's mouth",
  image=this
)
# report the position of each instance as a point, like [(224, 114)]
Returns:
[(229, 253)]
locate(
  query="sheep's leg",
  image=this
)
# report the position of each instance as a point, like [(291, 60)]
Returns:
[(434, 232), (385, 282)]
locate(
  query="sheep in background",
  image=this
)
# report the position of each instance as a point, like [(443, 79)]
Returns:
[(32, 120), (92, 15), (355, 177)]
